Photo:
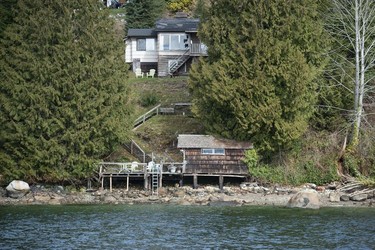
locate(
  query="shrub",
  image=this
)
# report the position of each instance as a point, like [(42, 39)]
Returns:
[(149, 99)]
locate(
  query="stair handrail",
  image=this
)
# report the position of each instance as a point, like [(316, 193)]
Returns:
[(141, 119), (175, 65), (143, 153)]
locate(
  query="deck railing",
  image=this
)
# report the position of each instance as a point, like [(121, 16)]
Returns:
[(120, 167), (198, 49), (109, 168)]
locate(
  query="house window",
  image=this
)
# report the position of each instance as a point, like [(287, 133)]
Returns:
[(165, 39), (141, 44), (147, 44), (150, 44), (174, 42), (213, 151)]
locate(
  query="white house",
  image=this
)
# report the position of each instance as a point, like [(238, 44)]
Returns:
[(170, 47)]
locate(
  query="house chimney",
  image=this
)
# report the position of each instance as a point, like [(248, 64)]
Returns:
[(181, 15)]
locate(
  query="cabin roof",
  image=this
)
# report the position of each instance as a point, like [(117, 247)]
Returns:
[(141, 33), (208, 141)]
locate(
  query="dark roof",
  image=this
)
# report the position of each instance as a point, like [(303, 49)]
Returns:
[(177, 24), (208, 141), (141, 33)]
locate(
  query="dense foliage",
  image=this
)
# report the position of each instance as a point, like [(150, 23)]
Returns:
[(143, 13), (6, 14), (179, 5), (312, 160), (63, 93), (259, 80)]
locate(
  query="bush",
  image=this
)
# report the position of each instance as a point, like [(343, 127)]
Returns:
[(149, 99), (251, 158), (312, 160)]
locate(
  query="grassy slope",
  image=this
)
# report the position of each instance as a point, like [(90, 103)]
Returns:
[(164, 91), (158, 135)]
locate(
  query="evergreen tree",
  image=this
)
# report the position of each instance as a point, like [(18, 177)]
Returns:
[(143, 13), (259, 79), (200, 8), (6, 14), (64, 101)]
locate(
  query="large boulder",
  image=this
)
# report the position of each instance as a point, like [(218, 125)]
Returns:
[(334, 196), (305, 199), (17, 189)]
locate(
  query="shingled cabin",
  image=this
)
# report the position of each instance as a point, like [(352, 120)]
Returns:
[(206, 155)]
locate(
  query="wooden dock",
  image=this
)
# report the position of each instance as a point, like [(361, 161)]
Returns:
[(153, 174)]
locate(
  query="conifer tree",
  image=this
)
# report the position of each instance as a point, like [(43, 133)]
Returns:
[(6, 14), (143, 13), (64, 101), (259, 80)]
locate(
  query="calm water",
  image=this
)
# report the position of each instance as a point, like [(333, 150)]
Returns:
[(184, 227)]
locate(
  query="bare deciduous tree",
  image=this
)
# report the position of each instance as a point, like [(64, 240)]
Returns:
[(352, 26)]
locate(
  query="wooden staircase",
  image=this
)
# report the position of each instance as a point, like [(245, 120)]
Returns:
[(178, 62)]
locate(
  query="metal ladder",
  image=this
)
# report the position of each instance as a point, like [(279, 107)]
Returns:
[(155, 180)]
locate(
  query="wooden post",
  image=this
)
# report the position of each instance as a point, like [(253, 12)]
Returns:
[(161, 177), (145, 175), (88, 183), (102, 182), (110, 183), (127, 182), (195, 181), (181, 182), (221, 182)]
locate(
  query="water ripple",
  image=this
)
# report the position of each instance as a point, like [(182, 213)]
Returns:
[(184, 227)]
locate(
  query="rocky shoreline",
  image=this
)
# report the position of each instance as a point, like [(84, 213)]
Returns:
[(244, 194)]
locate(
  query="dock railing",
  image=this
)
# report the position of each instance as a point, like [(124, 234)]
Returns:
[(121, 167), (116, 168)]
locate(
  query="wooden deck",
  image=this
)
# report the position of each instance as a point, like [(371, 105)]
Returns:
[(166, 170)]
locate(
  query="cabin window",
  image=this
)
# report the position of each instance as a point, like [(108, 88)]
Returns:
[(213, 151), (147, 44), (174, 42)]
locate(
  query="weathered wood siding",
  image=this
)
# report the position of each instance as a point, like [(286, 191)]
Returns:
[(230, 163), (163, 69)]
